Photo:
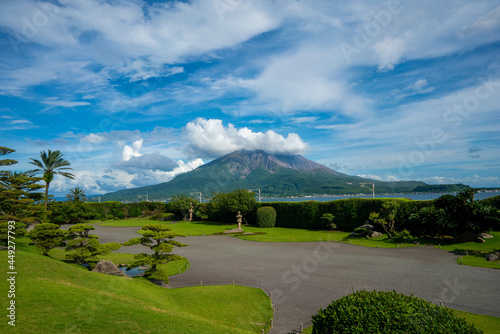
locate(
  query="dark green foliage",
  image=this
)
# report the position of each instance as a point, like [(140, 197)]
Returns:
[(440, 188), (224, 206), (461, 213), (328, 219), (386, 217), (76, 195), (51, 163), (403, 236), (47, 236), (159, 238), (266, 216), (163, 217), (491, 201), (5, 227), (387, 312), (82, 247), (349, 213), (97, 216), (18, 193), (426, 221), (180, 205), (68, 213)]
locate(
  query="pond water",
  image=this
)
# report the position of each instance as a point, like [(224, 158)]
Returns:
[(133, 272)]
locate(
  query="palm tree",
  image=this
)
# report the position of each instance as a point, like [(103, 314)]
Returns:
[(76, 195), (52, 163)]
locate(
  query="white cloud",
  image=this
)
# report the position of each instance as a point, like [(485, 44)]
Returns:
[(211, 138), (389, 52), (93, 139), (132, 151), (55, 102), (301, 120), (387, 178)]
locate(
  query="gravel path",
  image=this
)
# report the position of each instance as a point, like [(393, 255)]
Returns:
[(308, 275)]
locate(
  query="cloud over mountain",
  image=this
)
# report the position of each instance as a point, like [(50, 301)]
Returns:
[(210, 138)]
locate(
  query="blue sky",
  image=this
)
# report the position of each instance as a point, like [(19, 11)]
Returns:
[(136, 92)]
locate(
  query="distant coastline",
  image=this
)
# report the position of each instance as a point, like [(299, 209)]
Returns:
[(414, 196)]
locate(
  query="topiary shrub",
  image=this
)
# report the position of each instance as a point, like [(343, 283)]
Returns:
[(328, 219), (98, 216), (266, 216), (387, 312)]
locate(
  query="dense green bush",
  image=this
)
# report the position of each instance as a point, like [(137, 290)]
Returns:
[(224, 206), (180, 205), (491, 201), (387, 312), (266, 216), (328, 219), (349, 213)]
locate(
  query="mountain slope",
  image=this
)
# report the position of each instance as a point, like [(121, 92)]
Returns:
[(274, 175)]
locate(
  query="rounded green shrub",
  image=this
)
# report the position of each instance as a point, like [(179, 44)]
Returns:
[(266, 216), (98, 216), (387, 312)]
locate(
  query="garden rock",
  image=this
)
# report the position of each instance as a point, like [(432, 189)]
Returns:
[(376, 234), (467, 237), (485, 235), (108, 268), (492, 257), (234, 230), (367, 226)]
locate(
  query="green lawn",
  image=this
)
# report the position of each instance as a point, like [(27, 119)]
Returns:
[(130, 222), (56, 297), (486, 323), (478, 260), (172, 268)]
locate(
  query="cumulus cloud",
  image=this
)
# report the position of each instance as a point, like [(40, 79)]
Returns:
[(152, 161), (132, 151), (93, 139), (210, 138)]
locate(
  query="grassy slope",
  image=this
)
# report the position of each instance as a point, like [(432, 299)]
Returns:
[(55, 297)]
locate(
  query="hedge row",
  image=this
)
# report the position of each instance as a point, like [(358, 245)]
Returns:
[(349, 213), (121, 210)]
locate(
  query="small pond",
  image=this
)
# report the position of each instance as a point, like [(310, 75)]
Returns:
[(133, 272)]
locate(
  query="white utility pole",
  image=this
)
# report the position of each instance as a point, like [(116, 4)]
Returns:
[(372, 187), (197, 192), (255, 190)]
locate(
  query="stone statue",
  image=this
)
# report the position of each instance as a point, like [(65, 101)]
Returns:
[(239, 219), (190, 211)]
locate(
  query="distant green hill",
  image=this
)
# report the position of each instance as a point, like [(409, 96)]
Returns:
[(274, 175)]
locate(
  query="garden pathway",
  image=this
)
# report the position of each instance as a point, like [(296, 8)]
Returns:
[(308, 275)]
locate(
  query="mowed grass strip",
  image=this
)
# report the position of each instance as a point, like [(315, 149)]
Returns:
[(129, 222), (55, 297)]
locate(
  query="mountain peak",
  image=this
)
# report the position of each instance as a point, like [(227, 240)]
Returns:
[(243, 162)]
